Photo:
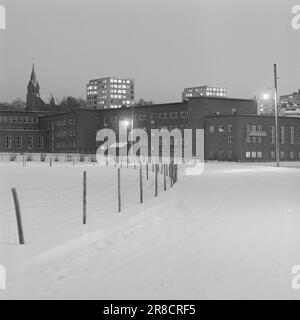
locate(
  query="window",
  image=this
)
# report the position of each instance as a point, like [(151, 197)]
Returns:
[(248, 154), (273, 155), (292, 155), (260, 139), (254, 139), (282, 155), (19, 142), (40, 142), (292, 135), (259, 154), (229, 154), (282, 135), (230, 128), (211, 155), (211, 129), (248, 139), (230, 139), (221, 129), (8, 142), (253, 154), (221, 154), (272, 139), (30, 142)]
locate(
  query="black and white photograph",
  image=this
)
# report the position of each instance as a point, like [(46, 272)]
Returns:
[(149, 151)]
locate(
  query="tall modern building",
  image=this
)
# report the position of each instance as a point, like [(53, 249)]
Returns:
[(203, 91), (109, 92)]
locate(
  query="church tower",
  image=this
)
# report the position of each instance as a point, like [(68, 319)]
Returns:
[(33, 102)]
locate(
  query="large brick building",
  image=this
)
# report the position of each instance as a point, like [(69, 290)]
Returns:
[(232, 129), (251, 138), (76, 131)]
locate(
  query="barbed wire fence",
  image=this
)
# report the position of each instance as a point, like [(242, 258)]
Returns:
[(27, 211)]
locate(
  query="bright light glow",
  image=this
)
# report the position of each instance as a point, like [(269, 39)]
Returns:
[(126, 123), (266, 96)]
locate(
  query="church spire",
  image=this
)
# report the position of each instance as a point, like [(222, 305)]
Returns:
[(33, 75), (33, 85)]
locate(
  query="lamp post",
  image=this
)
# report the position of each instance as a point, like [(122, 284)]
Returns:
[(266, 96), (276, 116)]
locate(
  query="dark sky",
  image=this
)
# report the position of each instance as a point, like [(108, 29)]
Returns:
[(165, 45)]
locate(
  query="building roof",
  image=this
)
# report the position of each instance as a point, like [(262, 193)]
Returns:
[(247, 115), (222, 98)]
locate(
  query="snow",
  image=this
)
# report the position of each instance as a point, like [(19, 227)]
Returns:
[(232, 232)]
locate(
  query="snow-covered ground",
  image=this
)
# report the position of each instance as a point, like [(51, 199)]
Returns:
[(232, 232)]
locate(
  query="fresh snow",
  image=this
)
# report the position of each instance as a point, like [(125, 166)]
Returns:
[(231, 232)]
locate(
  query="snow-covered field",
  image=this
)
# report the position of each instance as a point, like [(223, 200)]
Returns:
[(232, 232)]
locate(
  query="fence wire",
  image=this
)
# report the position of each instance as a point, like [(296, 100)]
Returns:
[(42, 208)]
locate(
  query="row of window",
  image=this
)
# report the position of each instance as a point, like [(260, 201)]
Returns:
[(283, 155), (144, 116), (18, 128), (22, 140), (173, 115), (63, 134), (221, 155), (255, 155), (221, 128), (19, 119), (62, 123), (60, 145)]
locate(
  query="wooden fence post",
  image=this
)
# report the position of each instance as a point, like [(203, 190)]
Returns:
[(165, 178), (147, 171), (84, 198), (176, 173), (141, 184), (156, 182), (18, 215), (119, 190), (171, 173)]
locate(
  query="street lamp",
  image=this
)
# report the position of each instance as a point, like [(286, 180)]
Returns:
[(266, 96)]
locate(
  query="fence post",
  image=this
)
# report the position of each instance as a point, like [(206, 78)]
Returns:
[(84, 198), (18, 215), (156, 176), (176, 172), (50, 161), (171, 173), (119, 190), (141, 184), (165, 178), (147, 171)]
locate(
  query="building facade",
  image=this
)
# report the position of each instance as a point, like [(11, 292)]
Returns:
[(75, 132), (109, 93), (248, 138), (21, 132), (203, 91)]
